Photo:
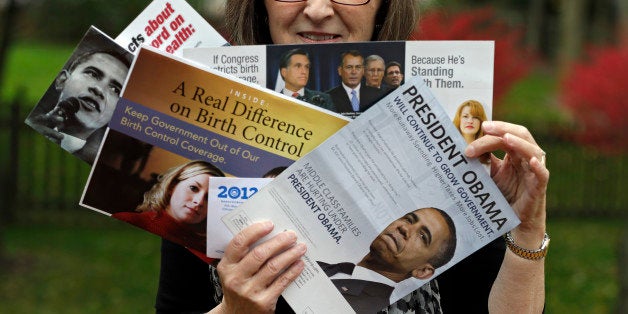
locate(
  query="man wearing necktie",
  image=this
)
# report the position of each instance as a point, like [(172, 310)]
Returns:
[(393, 76), (412, 246), (352, 97), (294, 68)]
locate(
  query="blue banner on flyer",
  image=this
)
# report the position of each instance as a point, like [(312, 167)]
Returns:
[(189, 141)]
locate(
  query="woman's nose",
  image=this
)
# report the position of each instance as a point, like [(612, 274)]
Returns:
[(318, 10)]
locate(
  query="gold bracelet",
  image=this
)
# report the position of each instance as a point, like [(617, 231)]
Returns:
[(525, 253)]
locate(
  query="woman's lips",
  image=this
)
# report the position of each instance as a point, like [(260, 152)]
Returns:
[(192, 208), (318, 37)]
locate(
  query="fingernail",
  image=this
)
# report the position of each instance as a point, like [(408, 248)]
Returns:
[(298, 266), (507, 138), (488, 126), (301, 247), (267, 224), (470, 151), (291, 235)]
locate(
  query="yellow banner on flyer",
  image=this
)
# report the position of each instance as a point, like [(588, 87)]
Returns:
[(234, 109)]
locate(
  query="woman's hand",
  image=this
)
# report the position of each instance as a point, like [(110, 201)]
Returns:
[(521, 176), (253, 278)]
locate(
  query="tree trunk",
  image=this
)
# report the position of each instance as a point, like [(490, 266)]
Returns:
[(571, 38), (7, 32), (535, 23), (604, 22), (622, 15), (6, 198)]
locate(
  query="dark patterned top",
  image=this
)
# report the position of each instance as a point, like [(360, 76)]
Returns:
[(423, 300)]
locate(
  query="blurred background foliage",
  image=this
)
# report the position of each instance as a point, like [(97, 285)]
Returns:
[(560, 70), (64, 21)]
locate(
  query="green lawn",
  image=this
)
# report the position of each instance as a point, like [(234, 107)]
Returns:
[(102, 267), (582, 265), (32, 68), (105, 266)]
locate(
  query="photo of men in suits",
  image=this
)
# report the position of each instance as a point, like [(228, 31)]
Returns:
[(374, 71), (351, 97), (294, 68), (393, 77), (413, 246)]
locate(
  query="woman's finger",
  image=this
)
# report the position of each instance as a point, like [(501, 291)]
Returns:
[(484, 144), (519, 149), (259, 256), (522, 151), (242, 242), (280, 271), (500, 128)]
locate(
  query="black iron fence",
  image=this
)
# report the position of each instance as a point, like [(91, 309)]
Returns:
[(38, 176)]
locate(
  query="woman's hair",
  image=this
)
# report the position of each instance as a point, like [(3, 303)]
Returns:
[(247, 21), (476, 110), (158, 197)]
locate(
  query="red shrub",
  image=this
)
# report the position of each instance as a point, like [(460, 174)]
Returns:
[(596, 93), (512, 61)]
